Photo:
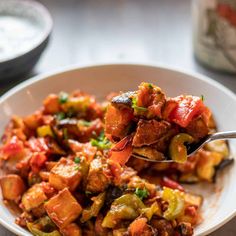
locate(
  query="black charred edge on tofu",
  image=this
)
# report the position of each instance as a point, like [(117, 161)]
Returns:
[(123, 99), (224, 163)]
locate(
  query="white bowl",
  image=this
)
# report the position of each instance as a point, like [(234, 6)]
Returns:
[(25, 29), (219, 204)]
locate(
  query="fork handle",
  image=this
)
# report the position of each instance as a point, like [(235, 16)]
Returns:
[(223, 135)]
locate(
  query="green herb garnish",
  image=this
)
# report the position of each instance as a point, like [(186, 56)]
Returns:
[(101, 142), (60, 115), (85, 123), (150, 86), (65, 133), (63, 97), (88, 192), (202, 98), (76, 168), (77, 160), (136, 107), (141, 193)]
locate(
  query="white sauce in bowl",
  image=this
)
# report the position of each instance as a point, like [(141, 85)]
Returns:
[(17, 35)]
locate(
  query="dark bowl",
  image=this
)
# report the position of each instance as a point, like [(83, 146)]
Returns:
[(21, 60)]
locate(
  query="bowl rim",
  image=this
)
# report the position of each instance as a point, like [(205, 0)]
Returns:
[(47, 75), (47, 29)]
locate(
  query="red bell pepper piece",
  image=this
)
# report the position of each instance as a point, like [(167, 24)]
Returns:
[(182, 109), (167, 182), (122, 151)]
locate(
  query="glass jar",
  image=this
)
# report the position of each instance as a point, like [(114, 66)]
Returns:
[(214, 33)]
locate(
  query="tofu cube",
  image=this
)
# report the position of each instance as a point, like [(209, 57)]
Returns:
[(34, 197), (63, 208), (65, 174), (71, 230), (12, 187), (97, 180)]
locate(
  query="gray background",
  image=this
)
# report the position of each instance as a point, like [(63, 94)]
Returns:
[(103, 31)]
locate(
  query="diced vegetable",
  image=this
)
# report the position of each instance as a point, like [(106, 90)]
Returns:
[(44, 131), (14, 149), (137, 109), (63, 97), (126, 207), (51, 104), (94, 209), (219, 146), (193, 200), (71, 230), (12, 187), (65, 174), (97, 180), (150, 97), (101, 142), (43, 227), (37, 161), (117, 122), (182, 109), (177, 149), (154, 209), (38, 144), (189, 178), (139, 227), (77, 104), (77, 160), (141, 193), (207, 163), (167, 182), (63, 208), (190, 216), (175, 201), (122, 151), (185, 229), (34, 197)]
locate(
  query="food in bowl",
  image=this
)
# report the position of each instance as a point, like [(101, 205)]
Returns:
[(70, 179)]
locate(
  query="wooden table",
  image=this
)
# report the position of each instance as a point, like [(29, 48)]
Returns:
[(105, 31)]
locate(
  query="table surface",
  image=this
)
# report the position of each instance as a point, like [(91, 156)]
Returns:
[(105, 31)]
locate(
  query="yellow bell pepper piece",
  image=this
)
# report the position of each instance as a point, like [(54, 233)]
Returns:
[(44, 130), (175, 199), (177, 149)]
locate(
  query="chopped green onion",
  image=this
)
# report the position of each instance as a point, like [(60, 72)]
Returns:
[(77, 160), (60, 115), (65, 133), (88, 192), (141, 193), (150, 86), (85, 123), (63, 97), (136, 107), (76, 168), (202, 98), (101, 142)]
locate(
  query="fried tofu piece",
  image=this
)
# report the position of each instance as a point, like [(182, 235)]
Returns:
[(51, 104), (207, 163), (12, 187), (71, 230), (150, 131), (63, 208), (97, 180), (65, 174), (193, 200), (34, 197)]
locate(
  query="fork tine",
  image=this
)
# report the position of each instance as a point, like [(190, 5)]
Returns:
[(151, 160)]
